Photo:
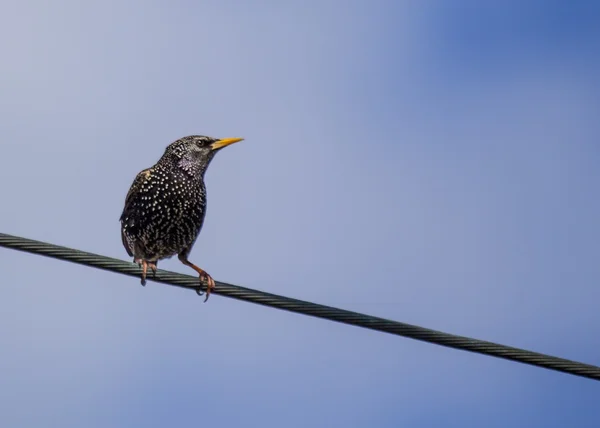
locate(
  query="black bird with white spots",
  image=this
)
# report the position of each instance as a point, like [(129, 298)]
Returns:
[(166, 204)]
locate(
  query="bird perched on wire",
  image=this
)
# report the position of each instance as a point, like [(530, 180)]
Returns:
[(166, 204)]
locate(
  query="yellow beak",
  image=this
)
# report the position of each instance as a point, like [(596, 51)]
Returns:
[(224, 142)]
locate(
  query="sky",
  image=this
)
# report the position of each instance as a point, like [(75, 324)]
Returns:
[(431, 162)]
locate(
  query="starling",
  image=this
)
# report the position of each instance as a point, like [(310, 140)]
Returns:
[(166, 204)]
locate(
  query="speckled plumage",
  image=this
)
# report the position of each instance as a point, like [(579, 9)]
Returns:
[(166, 204)]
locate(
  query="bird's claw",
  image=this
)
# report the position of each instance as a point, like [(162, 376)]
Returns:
[(210, 285), (154, 268), (145, 265)]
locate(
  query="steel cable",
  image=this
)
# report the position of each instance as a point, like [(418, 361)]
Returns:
[(308, 308)]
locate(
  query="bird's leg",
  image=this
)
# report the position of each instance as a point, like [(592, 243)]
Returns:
[(204, 276)]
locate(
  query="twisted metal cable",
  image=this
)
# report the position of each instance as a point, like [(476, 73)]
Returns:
[(308, 308)]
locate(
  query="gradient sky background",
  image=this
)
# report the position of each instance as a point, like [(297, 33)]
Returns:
[(432, 162)]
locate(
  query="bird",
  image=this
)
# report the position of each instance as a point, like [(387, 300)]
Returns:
[(165, 207)]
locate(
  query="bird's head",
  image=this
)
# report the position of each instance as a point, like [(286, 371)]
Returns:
[(194, 153)]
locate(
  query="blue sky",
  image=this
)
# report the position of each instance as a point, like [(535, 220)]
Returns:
[(430, 162)]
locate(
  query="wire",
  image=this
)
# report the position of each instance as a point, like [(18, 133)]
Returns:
[(308, 308)]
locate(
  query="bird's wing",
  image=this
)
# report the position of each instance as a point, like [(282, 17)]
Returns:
[(126, 243), (134, 191)]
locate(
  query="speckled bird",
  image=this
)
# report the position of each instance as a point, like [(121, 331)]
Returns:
[(166, 204)]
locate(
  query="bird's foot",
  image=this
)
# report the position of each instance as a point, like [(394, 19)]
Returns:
[(144, 270), (145, 266), (204, 276), (210, 285), (153, 267)]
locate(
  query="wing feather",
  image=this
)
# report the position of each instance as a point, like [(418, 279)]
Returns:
[(134, 191)]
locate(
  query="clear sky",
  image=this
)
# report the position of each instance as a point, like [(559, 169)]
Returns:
[(432, 162)]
